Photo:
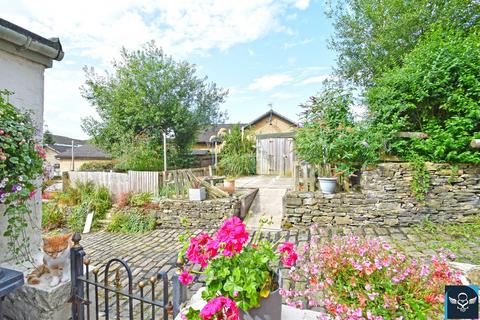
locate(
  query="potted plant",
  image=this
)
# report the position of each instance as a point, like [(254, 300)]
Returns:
[(241, 280), (197, 192), (229, 184)]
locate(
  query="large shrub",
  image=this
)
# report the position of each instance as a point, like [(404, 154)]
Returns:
[(330, 138), (437, 92), (131, 220), (238, 153), (357, 278), (21, 162)]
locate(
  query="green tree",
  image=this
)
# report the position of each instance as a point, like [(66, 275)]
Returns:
[(47, 137), (372, 36), (238, 153), (331, 138), (147, 94), (436, 91)]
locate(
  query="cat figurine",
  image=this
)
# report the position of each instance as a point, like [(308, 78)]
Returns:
[(56, 260)]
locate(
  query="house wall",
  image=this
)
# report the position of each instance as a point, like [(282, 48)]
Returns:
[(66, 164), (277, 125), (26, 80)]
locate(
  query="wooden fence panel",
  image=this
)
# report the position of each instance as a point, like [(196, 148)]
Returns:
[(144, 181), (139, 181), (116, 182)]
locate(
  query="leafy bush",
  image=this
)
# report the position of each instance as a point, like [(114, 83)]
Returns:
[(21, 162), (80, 199), (53, 217), (434, 92), (238, 153), (98, 166), (330, 138), (132, 220), (354, 277), (141, 199), (77, 217)]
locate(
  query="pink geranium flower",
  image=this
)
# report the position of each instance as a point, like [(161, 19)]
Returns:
[(220, 308), (202, 248), (185, 278), (288, 254), (232, 236)]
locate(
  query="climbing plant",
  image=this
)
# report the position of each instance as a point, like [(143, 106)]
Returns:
[(420, 177), (21, 163)]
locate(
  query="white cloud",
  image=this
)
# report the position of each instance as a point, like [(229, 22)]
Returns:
[(289, 45), (315, 79), (269, 82), (302, 4), (92, 33), (284, 95)]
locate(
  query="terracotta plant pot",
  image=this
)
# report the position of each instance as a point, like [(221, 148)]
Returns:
[(229, 186), (270, 309)]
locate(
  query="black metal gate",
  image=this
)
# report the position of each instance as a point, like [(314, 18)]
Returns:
[(94, 299)]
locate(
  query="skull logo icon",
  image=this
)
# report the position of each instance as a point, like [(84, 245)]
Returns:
[(462, 301)]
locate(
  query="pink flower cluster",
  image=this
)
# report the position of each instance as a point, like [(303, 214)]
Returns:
[(232, 236), (377, 278), (288, 254), (202, 248), (220, 308), (229, 240)]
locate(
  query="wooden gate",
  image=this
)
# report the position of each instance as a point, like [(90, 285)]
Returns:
[(275, 155)]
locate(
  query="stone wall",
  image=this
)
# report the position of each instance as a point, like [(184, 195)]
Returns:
[(208, 213), (385, 198)]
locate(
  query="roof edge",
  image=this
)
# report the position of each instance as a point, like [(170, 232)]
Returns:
[(25, 40)]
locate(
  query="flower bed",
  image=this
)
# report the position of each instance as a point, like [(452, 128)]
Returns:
[(355, 278)]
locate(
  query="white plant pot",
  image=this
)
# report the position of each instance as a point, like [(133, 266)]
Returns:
[(197, 194), (327, 185)]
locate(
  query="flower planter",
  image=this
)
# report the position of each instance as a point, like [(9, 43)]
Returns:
[(199, 194), (270, 308), (229, 186), (327, 185)]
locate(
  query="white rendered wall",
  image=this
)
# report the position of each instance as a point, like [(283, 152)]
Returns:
[(25, 79)]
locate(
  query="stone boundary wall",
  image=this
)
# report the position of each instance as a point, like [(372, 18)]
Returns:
[(199, 214), (385, 199)]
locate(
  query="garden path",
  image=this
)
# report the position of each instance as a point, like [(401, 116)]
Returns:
[(269, 200)]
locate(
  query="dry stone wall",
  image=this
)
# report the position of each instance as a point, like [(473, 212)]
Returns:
[(385, 198), (208, 213)]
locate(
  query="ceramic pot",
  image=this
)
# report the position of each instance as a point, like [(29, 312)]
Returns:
[(199, 194), (270, 308), (327, 185)]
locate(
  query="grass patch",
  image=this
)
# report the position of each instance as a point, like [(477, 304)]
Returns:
[(132, 220), (458, 238)]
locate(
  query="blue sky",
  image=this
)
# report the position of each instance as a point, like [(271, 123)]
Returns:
[(263, 51)]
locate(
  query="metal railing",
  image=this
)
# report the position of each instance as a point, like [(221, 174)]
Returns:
[(107, 299)]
